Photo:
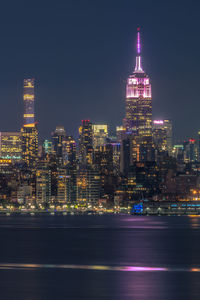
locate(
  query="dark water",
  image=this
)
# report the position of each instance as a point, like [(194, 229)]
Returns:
[(99, 257)]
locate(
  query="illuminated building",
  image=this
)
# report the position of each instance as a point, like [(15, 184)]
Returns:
[(190, 151), (28, 185), (47, 147), (120, 133), (159, 135), (69, 150), (138, 119), (116, 157), (70, 160), (100, 134), (162, 135), (85, 142), (43, 187), (178, 152), (199, 146), (62, 179), (168, 127), (29, 99), (88, 185), (6, 166), (29, 130), (24, 193), (29, 145), (104, 161), (130, 150), (10, 145), (58, 137)]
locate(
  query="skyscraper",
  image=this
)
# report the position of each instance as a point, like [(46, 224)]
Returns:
[(85, 142), (162, 135), (138, 119), (100, 134), (10, 145), (29, 130), (58, 136), (29, 99)]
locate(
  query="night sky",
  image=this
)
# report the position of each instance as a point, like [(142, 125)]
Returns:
[(81, 51)]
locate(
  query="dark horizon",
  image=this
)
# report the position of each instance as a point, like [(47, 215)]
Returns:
[(81, 53)]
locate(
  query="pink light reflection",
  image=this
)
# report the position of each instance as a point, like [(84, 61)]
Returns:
[(143, 269), (158, 122)]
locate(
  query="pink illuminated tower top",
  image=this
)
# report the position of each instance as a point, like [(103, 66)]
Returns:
[(138, 65), (138, 41), (138, 84), (138, 119)]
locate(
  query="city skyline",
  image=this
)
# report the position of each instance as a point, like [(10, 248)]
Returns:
[(98, 63)]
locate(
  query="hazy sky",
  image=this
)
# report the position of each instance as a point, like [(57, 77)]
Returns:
[(81, 52)]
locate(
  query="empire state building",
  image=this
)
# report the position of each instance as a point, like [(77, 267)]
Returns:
[(138, 119)]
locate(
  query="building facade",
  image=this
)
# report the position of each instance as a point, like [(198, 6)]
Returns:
[(100, 134), (138, 118), (11, 145), (29, 130)]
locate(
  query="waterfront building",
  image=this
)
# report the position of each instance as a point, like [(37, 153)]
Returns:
[(43, 187), (11, 145), (24, 193), (88, 185), (198, 146), (62, 180), (70, 160), (105, 159)]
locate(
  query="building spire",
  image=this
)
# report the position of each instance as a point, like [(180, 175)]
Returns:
[(138, 41), (138, 66)]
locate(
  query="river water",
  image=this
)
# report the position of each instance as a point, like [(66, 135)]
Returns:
[(112, 257)]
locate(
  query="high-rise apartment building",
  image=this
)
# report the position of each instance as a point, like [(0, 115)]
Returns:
[(162, 135), (69, 151), (62, 185), (11, 145), (99, 135), (85, 142), (190, 151), (88, 185), (47, 147), (29, 99), (43, 186), (58, 137), (120, 133), (29, 130)]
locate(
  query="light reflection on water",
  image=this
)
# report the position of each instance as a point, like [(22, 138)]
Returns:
[(97, 258)]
